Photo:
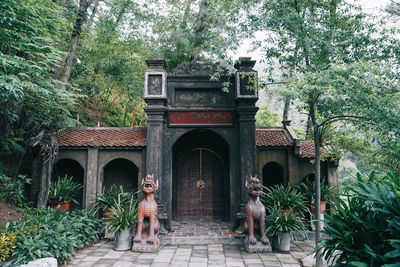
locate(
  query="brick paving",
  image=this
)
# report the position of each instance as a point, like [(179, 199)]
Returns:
[(101, 254), (193, 244)]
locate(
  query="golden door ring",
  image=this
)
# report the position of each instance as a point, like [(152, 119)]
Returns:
[(200, 184)]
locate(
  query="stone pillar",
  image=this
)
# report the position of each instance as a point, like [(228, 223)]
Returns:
[(155, 95), (333, 173), (246, 97), (91, 177)]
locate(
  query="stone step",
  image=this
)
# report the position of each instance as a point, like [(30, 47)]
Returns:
[(201, 240)]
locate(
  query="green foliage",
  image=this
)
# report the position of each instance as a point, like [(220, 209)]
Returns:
[(12, 190), (110, 198), (179, 38), (307, 190), (110, 70), (51, 233), (123, 215), (342, 66), (361, 96), (30, 33), (265, 117), (284, 198), (63, 189), (279, 222), (365, 229)]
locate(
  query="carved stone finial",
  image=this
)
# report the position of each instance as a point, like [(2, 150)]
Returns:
[(146, 239), (244, 64), (157, 63), (254, 227)]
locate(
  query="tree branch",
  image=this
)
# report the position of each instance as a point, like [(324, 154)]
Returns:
[(343, 117)]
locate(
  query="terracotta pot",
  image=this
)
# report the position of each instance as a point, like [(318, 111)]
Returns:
[(322, 207), (287, 211), (62, 205), (109, 213)]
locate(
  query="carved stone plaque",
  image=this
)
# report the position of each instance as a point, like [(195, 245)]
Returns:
[(155, 84), (200, 118)]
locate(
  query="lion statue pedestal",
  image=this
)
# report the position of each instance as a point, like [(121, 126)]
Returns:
[(255, 240), (146, 239)]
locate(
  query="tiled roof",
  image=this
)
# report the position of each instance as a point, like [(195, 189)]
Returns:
[(307, 149), (136, 137), (102, 137), (272, 137)]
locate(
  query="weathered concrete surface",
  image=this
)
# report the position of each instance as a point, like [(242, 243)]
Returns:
[(44, 262)]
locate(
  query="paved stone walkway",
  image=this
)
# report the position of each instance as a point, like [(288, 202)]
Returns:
[(101, 254)]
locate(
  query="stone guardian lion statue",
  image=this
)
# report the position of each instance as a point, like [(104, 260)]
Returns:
[(146, 239), (254, 226)]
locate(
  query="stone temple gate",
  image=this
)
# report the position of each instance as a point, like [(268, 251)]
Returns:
[(200, 142)]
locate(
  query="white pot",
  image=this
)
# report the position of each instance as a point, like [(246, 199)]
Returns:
[(282, 242), (123, 240)]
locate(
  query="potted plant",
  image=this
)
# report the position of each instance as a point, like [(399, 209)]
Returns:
[(286, 199), (107, 199), (281, 226), (62, 191), (307, 190), (124, 217)]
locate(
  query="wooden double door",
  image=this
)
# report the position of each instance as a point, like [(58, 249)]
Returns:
[(200, 188)]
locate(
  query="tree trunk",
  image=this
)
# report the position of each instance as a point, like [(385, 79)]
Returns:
[(64, 70), (93, 14), (308, 127), (317, 202), (286, 109), (199, 28), (48, 149)]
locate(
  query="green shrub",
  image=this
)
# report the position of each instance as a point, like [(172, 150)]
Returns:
[(365, 230), (52, 233), (12, 190)]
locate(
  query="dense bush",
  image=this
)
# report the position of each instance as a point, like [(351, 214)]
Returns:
[(48, 233), (12, 190), (365, 230)]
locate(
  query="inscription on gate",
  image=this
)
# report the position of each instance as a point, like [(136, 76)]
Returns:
[(200, 118)]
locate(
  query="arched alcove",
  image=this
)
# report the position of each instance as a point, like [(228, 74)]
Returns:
[(121, 172), (201, 176), (272, 174), (70, 168), (309, 177)]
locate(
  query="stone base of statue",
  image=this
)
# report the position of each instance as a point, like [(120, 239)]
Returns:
[(145, 247), (259, 247)]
